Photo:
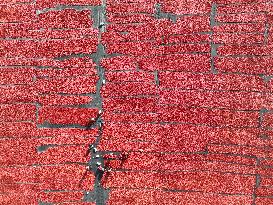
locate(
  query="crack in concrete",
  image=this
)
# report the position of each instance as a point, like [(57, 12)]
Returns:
[(161, 15), (213, 15), (44, 148), (212, 44), (49, 125), (44, 203), (257, 184), (266, 78), (266, 33), (63, 7), (262, 112), (67, 57), (99, 18), (156, 78)]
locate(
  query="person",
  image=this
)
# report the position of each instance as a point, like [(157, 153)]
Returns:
[(109, 156), (101, 169), (123, 156), (92, 148)]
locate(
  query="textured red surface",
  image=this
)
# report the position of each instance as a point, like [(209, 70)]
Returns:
[(183, 89), (121, 196), (57, 115)]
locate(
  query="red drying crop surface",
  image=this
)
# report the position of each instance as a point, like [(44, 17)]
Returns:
[(136, 102)]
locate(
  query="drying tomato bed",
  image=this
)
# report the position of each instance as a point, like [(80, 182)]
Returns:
[(176, 96)]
